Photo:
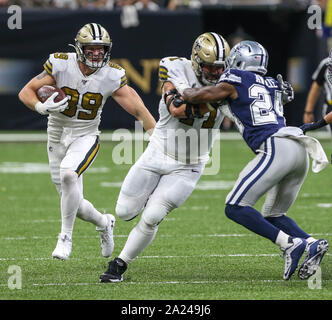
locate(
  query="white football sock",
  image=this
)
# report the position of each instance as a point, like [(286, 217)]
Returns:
[(282, 239), (70, 199), (139, 239), (310, 240), (87, 212)]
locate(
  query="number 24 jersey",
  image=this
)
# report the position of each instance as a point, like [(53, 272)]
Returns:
[(258, 110)]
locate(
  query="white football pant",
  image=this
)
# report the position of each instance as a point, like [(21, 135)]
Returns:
[(158, 184), (67, 165)]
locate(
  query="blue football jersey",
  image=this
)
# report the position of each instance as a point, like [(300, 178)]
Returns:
[(258, 110)]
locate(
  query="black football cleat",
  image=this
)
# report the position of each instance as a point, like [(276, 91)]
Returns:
[(115, 271)]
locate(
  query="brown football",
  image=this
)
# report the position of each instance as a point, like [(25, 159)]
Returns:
[(45, 92)]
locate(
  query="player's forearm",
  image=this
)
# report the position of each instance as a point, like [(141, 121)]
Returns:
[(310, 105), (28, 94), (210, 93), (28, 97), (196, 96), (146, 118), (312, 98)]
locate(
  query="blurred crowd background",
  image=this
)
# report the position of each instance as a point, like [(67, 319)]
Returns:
[(144, 31), (149, 4)]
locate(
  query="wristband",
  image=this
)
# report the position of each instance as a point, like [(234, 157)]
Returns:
[(189, 111), (173, 91), (197, 112), (169, 102), (177, 102)]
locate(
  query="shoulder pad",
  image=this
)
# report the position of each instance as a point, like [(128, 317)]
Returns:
[(57, 62), (117, 74), (231, 76), (115, 66), (172, 67), (172, 60)]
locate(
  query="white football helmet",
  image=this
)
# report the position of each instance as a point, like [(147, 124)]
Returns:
[(209, 49), (93, 34), (250, 56)]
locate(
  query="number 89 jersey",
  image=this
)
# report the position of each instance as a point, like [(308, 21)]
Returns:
[(87, 95), (258, 110)]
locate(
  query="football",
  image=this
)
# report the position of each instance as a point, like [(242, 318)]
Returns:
[(45, 92)]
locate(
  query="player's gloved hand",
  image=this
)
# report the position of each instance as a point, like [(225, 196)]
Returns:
[(287, 90), (313, 125), (50, 106)]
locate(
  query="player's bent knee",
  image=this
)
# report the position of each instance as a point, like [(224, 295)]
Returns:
[(68, 176), (125, 212), (230, 211), (146, 228), (154, 214)]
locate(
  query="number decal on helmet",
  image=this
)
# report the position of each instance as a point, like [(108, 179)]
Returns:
[(210, 49), (250, 56)]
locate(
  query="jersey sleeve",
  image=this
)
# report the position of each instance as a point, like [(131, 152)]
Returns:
[(117, 77), (319, 74), (172, 69), (55, 63)]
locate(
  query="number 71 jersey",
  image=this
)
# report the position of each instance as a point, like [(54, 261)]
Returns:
[(258, 110), (187, 141), (87, 94)]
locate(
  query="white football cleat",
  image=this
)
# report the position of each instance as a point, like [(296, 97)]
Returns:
[(106, 236), (63, 247)]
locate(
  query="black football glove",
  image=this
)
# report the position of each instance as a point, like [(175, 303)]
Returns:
[(287, 90)]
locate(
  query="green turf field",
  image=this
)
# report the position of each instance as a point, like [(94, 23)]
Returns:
[(197, 254)]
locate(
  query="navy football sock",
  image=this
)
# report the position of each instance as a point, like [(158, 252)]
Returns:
[(252, 220), (288, 226)]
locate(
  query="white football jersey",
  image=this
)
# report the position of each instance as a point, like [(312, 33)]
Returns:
[(186, 140), (87, 95)]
